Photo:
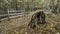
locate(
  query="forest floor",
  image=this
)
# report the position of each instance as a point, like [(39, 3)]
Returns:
[(19, 25)]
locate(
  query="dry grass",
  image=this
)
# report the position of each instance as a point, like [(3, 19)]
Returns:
[(51, 27)]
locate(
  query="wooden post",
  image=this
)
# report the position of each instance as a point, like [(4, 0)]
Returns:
[(8, 14)]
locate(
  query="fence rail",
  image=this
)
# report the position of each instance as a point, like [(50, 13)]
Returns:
[(11, 14)]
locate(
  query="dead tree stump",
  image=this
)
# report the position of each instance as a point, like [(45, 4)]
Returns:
[(37, 19)]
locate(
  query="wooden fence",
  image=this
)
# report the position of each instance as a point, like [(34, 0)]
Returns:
[(12, 14)]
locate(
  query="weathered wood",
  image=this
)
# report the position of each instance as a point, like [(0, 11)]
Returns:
[(37, 19)]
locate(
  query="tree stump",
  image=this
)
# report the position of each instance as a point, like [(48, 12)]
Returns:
[(37, 19)]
